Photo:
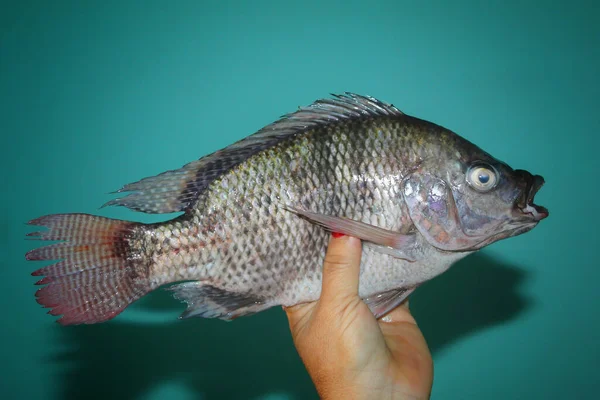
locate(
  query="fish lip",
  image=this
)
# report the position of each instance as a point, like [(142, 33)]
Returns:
[(525, 205)]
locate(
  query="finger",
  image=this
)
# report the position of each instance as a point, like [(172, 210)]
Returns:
[(341, 268)]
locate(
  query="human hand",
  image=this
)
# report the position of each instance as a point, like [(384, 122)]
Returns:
[(348, 353)]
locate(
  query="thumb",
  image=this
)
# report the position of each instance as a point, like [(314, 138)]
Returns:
[(341, 269)]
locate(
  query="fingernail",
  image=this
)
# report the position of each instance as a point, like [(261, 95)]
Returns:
[(337, 234)]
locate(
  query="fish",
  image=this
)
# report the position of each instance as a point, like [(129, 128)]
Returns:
[(256, 217)]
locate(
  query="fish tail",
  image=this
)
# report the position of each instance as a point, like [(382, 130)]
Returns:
[(99, 273)]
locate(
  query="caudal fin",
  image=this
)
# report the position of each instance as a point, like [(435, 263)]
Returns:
[(99, 273)]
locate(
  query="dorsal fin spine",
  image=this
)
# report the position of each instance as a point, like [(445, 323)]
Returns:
[(185, 184)]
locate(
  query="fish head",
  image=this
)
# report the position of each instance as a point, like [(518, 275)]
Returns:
[(493, 201), (472, 200)]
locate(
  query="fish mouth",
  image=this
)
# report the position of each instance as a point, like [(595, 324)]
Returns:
[(524, 204)]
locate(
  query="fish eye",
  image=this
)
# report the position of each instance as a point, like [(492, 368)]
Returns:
[(482, 177)]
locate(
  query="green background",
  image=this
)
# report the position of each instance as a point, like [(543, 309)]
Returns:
[(98, 94)]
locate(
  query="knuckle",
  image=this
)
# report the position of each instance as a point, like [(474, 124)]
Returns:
[(336, 261)]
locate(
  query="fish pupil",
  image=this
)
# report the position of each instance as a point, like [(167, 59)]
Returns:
[(484, 178)]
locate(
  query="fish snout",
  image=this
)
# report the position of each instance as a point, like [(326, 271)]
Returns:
[(531, 185)]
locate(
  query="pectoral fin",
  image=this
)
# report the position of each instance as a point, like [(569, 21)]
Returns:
[(381, 240)]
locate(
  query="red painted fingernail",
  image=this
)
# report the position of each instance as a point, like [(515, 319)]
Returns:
[(337, 234)]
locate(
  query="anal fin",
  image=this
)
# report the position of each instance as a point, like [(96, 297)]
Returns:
[(382, 303), (207, 301)]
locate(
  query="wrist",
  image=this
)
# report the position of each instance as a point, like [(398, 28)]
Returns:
[(362, 388)]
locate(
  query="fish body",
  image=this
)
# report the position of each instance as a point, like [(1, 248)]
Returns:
[(257, 216)]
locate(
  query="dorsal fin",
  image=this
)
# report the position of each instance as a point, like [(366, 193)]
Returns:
[(177, 190)]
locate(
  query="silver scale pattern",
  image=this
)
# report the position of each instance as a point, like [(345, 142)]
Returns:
[(238, 237)]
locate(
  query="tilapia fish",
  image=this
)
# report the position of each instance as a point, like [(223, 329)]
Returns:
[(256, 217)]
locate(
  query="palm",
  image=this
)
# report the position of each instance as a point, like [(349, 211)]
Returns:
[(388, 355), (348, 353)]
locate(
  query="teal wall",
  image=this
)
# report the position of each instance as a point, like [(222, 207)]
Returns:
[(95, 96)]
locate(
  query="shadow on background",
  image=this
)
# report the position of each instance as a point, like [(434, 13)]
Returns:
[(254, 356), (475, 293), (244, 359)]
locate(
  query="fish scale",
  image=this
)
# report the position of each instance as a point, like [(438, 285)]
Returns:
[(257, 216), (276, 230)]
